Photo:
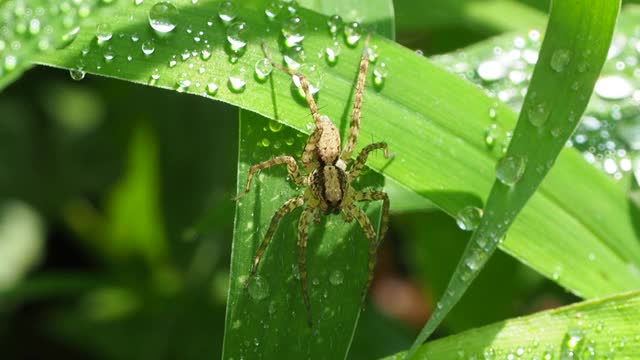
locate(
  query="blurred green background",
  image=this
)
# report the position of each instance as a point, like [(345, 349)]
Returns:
[(116, 219)]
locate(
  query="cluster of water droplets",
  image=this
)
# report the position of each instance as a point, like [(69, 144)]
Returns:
[(609, 132), (27, 28)]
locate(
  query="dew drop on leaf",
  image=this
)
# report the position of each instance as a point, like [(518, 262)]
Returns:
[(103, 32), (148, 47), (77, 74), (163, 17), (336, 278), (293, 30), (509, 169), (237, 81), (227, 11), (335, 24), (332, 52), (469, 218), (236, 36), (560, 59), (258, 289), (352, 33)]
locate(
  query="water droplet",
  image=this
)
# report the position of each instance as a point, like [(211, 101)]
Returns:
[(155, 76), (258, 289), (263, 68), (273, 10), (352, 33), (469, 218), (138, 2), (538, 114), (572, 343), (68, 37), (509, 169), (491, 70), (236, 36), (265, 142), (293, 30), (212, 88), (103, 32), (372, 53), (148, 47), (313, 77), (613, 87), (491, 134), (227, 11), (275, 126), (237, 81), (336, 277), (205, 54), (109, 55), (294, 57), (183, 83), (599, 326), (493, 113), (163, 17), (335, 24), (560, 59), (380, 72), (332, 52), (77, 74)]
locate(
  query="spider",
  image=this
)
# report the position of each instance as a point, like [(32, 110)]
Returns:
[(328, 182)]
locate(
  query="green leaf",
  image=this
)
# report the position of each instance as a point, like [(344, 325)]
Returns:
[(605, 328), (433, 121), (548, 119), (333, 326), (272, 309)]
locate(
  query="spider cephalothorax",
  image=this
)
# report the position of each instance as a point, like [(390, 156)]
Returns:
[(328, 183)]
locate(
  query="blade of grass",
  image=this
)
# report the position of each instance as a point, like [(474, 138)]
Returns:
[(335, 326), (269, 318), (433, 121), (605, 328), (547, 121)]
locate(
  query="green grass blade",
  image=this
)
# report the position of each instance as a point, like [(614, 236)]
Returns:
[(605, 328), (270, 318), (334, 331), (433, 121), (552, 105)]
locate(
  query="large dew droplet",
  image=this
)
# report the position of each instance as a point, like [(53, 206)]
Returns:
[(68, 37), (312, 75), (263, 68), (163, 17), (77, 74), (335, 24), (491, 70), (332, 52), (227, 11), (560, 59), (103, 32), (293, 30), (273, 10), (148, 47), (294, 57), (352, 33), (236, 36), (237, 80), (537, 114), (469, 218), (509, 169), (258, 289)]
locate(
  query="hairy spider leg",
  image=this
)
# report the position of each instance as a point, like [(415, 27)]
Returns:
[(292, 169), (357, 166), (309, 158), (354, 129), (303, 235), (304, 84), (366, 196), (366, 226), (288, 207)]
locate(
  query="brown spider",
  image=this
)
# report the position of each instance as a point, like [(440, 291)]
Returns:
[(328, 183)]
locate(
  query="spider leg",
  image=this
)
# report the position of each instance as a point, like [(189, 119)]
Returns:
[(366, 226), (357, 166), (304, 84), (292, 169), (303, 235), (357, 104), (309, 158), (373, 196), (288, 206)]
